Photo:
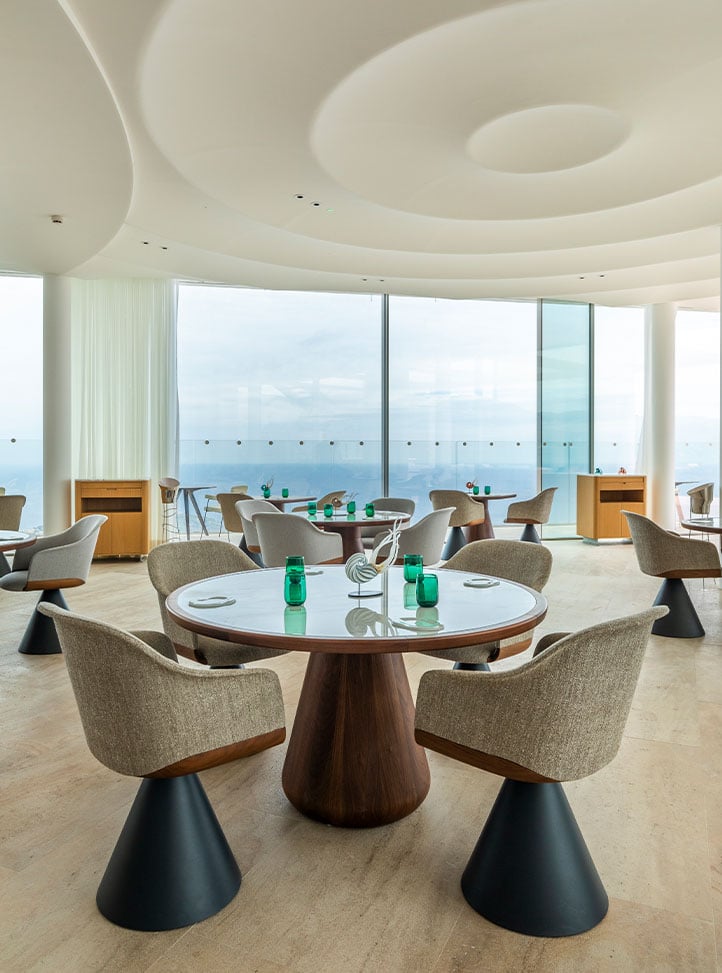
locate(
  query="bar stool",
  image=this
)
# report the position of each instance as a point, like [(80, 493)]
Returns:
[(169, 499)]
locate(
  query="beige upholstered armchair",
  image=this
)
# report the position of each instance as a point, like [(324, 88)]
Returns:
[(50, 564), (169, 503), (467, 513), (664, 554), (531, 512), (513, 561), (281, 535), (425, 537), (246, 510), (700, 499), (171, 566), (145, 715), (402, 504), (558, 717)]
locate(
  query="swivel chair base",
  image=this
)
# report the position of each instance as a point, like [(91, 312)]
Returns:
[(473, 666), (457, 540), (530, 534), (682, 622), (40, 637), (4, 565), (172, 865), (531, 871)]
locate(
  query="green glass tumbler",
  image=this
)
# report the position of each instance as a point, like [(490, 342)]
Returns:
[(328, 510), (413, 566), (284, 493), (487, 490), (266, 493), (427, 590), (351, 507), (295, 564), (475, 490), (312, 509), (370, 510)]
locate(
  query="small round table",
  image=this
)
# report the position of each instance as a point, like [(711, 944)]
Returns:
[(485, 530), (349, 526), (352, 759), (705, 525), (13, 540)]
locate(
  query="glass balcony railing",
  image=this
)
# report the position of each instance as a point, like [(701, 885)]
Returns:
[(21, 471)]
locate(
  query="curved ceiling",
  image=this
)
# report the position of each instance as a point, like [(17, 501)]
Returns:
[(542, 148)]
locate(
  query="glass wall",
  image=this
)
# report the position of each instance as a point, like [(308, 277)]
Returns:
[(618, 387), (21, 398), (697, 402), (564, 406), (462, 396), (280, 386)]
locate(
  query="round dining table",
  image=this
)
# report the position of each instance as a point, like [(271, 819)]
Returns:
[(13, 540), (349, 526), (352, 759)]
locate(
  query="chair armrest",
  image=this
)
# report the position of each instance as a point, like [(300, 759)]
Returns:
[(546, 640), (67, 561), (158, 641)]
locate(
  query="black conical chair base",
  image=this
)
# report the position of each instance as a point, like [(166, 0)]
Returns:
[(4, 565), (682, 622), (40, 637), (172, 865), (456, 540), (530, 534), (531, 871)]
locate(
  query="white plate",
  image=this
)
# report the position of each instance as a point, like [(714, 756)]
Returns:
[(212, 601), (481, 583)]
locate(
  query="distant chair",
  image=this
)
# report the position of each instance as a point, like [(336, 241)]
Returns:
[(531, 512), (231, 518), (288, 534), (664, 554), (335, 497), (170, 566), (11, 511), (213, 507), (246, 510), (558, 717), (169, 499), (402, 504), (700, 500), (144, 715), (516, 561), (425, 537), (50, 564), (467, 513)]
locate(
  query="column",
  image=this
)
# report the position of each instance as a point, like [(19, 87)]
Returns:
[(57, 412), (660, 384)]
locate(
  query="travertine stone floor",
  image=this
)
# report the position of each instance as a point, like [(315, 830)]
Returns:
[(315, 899)]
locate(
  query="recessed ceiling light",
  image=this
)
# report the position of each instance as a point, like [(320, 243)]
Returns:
[(315, 204), (298, 196), (56, 218)]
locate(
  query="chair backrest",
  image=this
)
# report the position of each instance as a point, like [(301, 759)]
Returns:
[(65, 556), (402, 504), (246, 510), (562, 714), (289, 534), (170, 566), (2, 491), (426, 537), (11, 510), (240, 488), (536, 510), (700, 498), (231, 517), (528, 564), (168, 489), (467, 511)]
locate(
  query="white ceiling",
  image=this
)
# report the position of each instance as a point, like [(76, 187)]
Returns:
[(546, 148)]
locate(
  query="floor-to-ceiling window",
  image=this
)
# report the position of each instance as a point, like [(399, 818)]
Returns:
[(697, 400), (462, 396), (21, 393), (282, 386)]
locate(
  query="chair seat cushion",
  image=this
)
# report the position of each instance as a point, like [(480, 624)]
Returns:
[(14, 581)]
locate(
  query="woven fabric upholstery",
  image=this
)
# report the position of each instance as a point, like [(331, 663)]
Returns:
[(467, 511), (231, 518), (246, 510), (171, 566), (335, 497), (700, 499), (534, 511), (662, 553), (142, 712), (528, 564), (58, 557), (426, 537), (562, 714), (158, 641), (11, 510), (288, 534)]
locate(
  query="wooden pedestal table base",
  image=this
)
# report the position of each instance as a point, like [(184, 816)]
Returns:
[(352, 759)]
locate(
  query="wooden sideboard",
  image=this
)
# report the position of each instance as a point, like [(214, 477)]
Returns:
[(601, 500), (126, 504)]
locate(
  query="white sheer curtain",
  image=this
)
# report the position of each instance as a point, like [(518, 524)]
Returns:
[(125, 383)]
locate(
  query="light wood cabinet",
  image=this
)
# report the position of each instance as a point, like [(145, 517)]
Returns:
[(601, 500), (126, 504)]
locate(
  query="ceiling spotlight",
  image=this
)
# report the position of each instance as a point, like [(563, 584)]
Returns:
[(298, 196), (581, 278), (602, 275), (146, 243), (56, 218), (164, 248)]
